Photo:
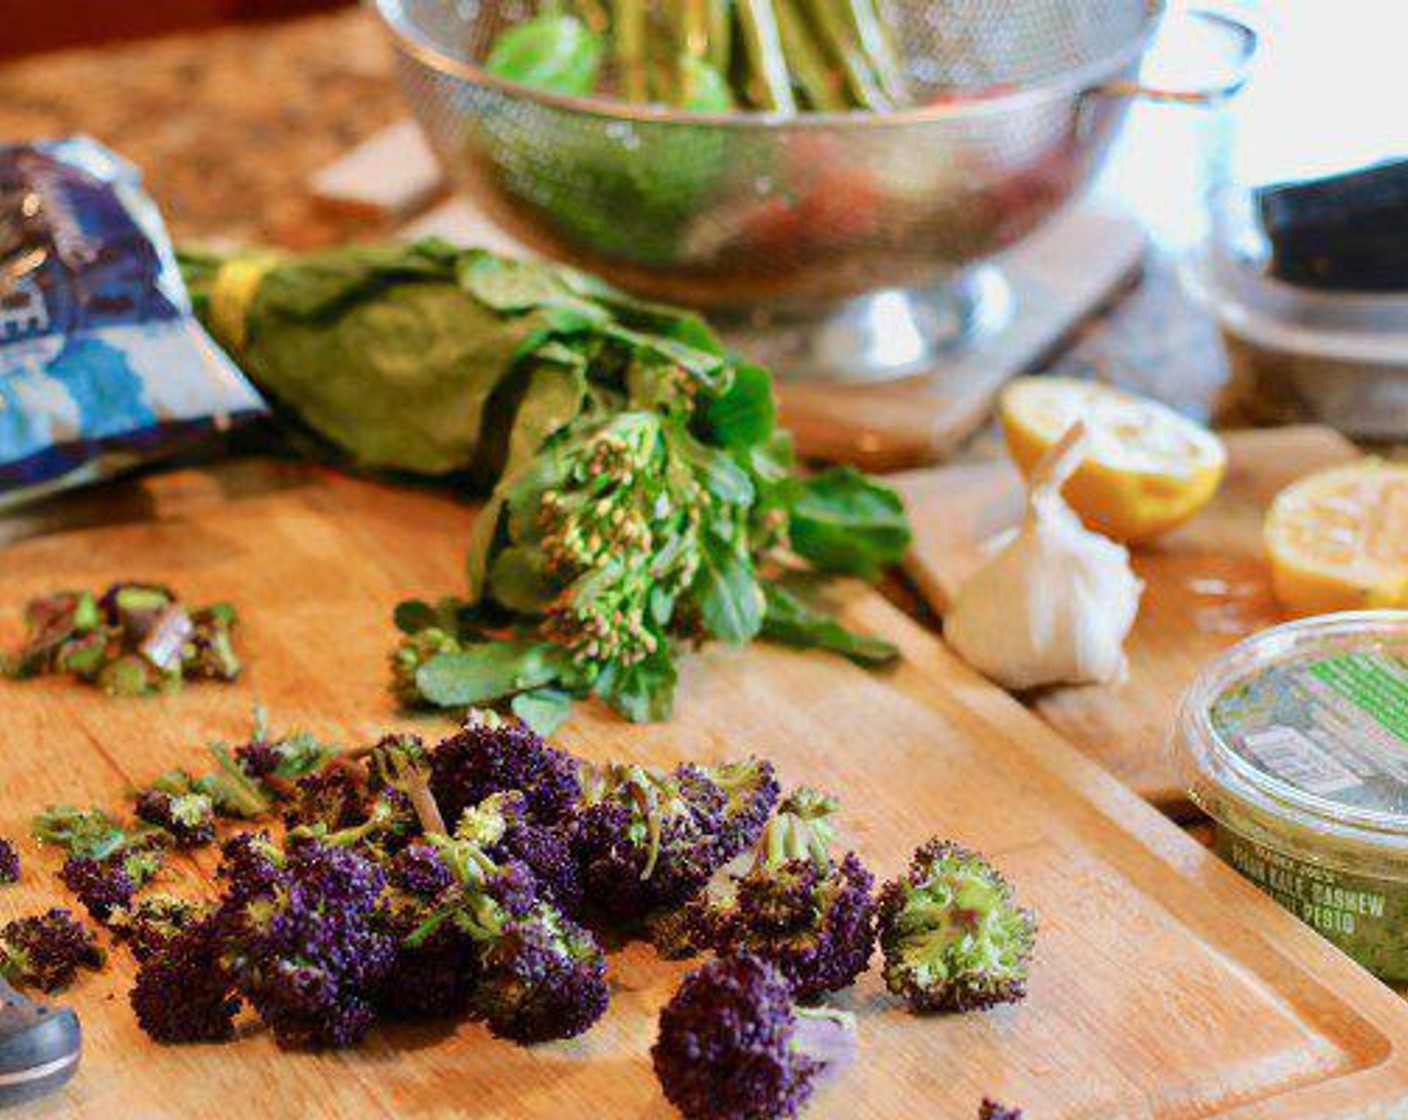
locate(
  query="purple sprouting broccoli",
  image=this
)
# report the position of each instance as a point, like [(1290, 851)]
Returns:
[(651, 839), (108, 884), (418, 870), (185, 991), (180, 805), (308, 953), (250, 865), (953, 937), (333, 798), (9, 862), (991, 1110), (152, 922), (540, 976), (436, 969), (492, 755), (734, 1046), (502, 825), (275, 762), (46, 951), (91, 833), (65, 634), (809, 914), (208, 654)]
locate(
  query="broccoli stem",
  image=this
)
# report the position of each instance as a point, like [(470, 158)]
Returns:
[(878, 48), (720, 53)]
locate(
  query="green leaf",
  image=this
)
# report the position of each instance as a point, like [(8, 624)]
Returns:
[(730, 601), (519, 580), (745, 415), (556, 53), (488, 671), (716, 468), (792, 622), (845, 521), (644, 692), (543, 709), (481, 541), (552, 401), (514, 287)]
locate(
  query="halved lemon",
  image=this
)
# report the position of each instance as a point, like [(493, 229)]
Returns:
[(1338, 539), (1146, 469)]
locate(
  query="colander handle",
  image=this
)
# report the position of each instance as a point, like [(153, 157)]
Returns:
[(1248, 42)]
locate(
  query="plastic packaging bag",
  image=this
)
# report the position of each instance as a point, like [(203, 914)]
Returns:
[(102, 364)]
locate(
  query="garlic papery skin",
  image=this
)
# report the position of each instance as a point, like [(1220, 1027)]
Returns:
[(1055, 602)]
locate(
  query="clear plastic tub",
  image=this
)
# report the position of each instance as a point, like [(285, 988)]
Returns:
[(1300, 354), (1295, 743)]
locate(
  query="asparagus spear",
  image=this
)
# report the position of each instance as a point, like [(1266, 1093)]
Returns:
[(841, 43), (720, 55), (878, 46), (628, 37), (768, 84), (818, 81)]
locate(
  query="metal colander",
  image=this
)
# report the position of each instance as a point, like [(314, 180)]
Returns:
[(793, 219)]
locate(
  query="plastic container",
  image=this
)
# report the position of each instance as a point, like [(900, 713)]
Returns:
[(1304, 262), (1295, 743), (1300, 354)]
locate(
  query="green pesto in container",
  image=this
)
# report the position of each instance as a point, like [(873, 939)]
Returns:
[(1295, 742)]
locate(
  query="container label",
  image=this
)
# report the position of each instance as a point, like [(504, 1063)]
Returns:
[(1366, 917), (1335, 727)]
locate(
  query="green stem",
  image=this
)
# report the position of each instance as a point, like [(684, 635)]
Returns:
[(628, 34), (807, 62), (840, 42), (878, 47)]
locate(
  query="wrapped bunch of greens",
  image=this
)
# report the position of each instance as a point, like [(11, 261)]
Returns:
[(709, 56), (640, 494)]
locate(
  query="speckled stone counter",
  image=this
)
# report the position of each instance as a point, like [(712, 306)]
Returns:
[(228, 125)]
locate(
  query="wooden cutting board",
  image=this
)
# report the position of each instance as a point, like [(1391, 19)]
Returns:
[(1207, 586), (1165, 988)]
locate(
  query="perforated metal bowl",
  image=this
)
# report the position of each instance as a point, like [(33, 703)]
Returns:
[(792, 225)]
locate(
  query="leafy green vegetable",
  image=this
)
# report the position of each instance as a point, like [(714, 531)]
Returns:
[(557, 53), (845, 521), (642, 486), (792, 622)]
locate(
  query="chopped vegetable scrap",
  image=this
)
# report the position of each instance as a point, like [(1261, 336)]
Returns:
[(134, 639), (476, 878), (991, 1110), (733, 1044), (47, 950), (9, 862), (953, 938)]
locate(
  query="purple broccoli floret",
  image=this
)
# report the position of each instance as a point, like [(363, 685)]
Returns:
[(149, 924), (502, 826), (651, 839), (334, 798), (105, 885), (46, 951), (538, 975), (491, 756), (434, 974), (188, 816), (991, 1110), (734, 1046), (953, 936), (9, 862), (808, 914), (308, 954), (250, 865), (418, 870), (184, 991)]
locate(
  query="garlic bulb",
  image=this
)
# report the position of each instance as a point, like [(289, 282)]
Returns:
[(1054, 604)]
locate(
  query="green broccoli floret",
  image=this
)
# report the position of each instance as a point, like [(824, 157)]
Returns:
[(953, 937)]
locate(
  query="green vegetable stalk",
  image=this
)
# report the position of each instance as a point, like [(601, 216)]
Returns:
[(639, 493)]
